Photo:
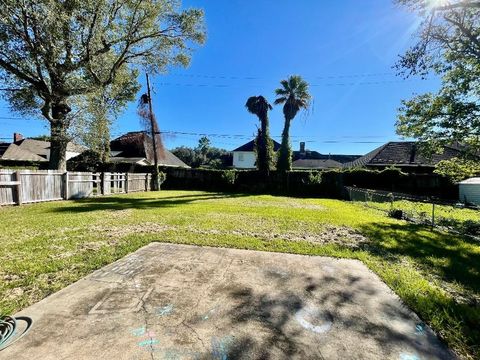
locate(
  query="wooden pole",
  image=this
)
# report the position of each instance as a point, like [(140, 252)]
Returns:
[(154, 141)]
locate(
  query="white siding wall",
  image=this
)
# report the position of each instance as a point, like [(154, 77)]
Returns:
[(244, 159), (470, 193)]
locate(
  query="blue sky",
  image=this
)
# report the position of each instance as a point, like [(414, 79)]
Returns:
[(344, 49)]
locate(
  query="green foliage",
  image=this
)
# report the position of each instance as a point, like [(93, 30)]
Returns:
[(203, 155), (259, 106), (458, 169), (229, 176), (448, 46), (58, 55), (314, 178), (294, 94)]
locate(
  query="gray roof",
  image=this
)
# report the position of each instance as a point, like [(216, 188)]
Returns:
[(17, 153), (315, 164), (250, 146), (402, 153)]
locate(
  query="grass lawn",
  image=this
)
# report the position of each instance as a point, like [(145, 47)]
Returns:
[(48, 246)]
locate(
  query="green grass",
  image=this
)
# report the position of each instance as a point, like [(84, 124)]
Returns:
[(48, 246)]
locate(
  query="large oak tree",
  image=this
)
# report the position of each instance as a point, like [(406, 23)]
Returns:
[(448, 45), (57, 54)]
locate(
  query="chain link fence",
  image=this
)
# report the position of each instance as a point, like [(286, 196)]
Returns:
[(435, 213)]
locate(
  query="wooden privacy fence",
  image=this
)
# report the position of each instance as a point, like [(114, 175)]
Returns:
[(31, 186)]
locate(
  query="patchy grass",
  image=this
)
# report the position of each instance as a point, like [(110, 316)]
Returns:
[(48, 246)]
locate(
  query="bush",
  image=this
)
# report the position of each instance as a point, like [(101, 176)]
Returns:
[(229, 176)]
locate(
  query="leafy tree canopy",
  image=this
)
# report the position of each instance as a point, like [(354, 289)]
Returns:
[(55, 55), (203, 155), (448, 45), (458, 169)]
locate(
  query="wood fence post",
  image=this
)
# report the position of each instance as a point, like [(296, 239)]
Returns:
[(126, 182), (66, 185), (19, 187)]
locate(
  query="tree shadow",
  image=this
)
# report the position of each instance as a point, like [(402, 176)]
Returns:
[(453, 258), (341, 301), (130, 202)]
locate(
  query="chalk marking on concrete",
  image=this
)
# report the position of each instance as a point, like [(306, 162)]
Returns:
[(148, 342), (139, 331), (420, 329), (165, 310), (405, 356), (313, 313), (220, 347)]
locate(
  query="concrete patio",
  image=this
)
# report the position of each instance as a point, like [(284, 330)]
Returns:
[(184, 302)]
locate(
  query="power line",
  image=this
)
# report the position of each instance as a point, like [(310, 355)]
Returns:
[(236, 77), (361, 83)]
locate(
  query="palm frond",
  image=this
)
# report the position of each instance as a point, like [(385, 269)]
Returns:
[(280, 100)]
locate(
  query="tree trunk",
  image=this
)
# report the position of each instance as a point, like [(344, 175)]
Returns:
[(285, 154), (58, 145)]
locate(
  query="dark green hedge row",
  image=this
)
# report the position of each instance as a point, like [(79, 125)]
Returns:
[(309, 183), (328, 183)]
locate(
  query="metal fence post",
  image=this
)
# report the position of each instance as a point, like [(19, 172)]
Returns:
[(126, 182)]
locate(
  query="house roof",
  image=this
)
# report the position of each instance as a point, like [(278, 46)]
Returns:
[(405, 153), (15, 152), (315, 164), (250, 146), (315, 155), (138, 145)]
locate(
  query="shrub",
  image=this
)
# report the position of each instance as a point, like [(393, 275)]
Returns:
[(229, 177)]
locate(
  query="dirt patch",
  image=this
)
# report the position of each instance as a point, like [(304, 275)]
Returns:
[(331, 235), (283, 205), (328, 235), (115, 232)]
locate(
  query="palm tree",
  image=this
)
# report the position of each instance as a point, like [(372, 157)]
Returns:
[(259, 106), (295, 96)]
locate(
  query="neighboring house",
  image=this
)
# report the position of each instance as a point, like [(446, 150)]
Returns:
[(404, 155), (307, 159), (137, 148), (309, 164), (22, 149), (244, 156)]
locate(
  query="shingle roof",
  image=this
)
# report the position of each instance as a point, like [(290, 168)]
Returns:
[(250, 146), (137, 144), (315, 164), (405, 153), (15, 152), (315, 155)]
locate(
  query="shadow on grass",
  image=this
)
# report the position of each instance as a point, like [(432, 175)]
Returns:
[(453, 258), (122, 202)]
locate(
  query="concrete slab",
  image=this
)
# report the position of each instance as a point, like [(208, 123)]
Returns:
[(184, 302)]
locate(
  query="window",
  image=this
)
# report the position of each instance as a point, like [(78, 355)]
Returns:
[(240, 157)]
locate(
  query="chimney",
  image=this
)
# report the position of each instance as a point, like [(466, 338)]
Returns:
[(17, 137), (302, 147)]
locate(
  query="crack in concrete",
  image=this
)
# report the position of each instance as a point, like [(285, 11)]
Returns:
[(145, 317)]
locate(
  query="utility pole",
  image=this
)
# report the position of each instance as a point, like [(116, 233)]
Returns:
[(156, 185)]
